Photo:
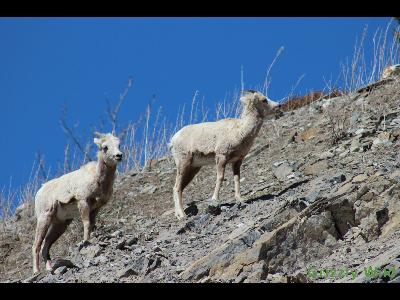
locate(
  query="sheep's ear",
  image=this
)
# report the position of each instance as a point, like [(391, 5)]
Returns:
[(245, 96), (97, 142), (98, 134)]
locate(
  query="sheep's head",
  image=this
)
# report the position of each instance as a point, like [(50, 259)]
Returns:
[(109, 146), (256, 99)]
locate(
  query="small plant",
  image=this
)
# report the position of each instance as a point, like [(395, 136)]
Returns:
[(338, 121)]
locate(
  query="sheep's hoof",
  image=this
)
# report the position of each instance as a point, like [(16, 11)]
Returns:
[(49, 265), (83, 244), (180, 215), (239, 199), (213, 208), (36, 271)]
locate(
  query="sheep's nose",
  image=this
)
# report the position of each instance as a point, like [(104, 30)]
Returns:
[(118, 156)]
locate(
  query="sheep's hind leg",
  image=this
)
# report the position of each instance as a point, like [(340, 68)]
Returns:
[(221, 164), (178, 201), (55, 231), (184, 176), (236, 177), (43, 224)]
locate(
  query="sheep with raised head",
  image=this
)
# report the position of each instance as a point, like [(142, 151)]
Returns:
[(222, 142), (82, 192)]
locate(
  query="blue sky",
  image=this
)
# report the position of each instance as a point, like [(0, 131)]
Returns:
[(46, 63)]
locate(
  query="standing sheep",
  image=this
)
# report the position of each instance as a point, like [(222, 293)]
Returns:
[(81, 192), (222, 142)]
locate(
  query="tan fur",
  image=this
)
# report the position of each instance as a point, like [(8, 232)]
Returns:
[(79, 193), (222, 142)]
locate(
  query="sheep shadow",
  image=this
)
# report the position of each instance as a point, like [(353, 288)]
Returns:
[(260, 198), (272, 196)]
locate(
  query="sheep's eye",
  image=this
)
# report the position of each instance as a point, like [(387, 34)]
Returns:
[(105, 148)]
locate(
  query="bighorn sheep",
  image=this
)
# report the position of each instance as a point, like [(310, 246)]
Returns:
[(222, 142), (391, 71), (81, 192)]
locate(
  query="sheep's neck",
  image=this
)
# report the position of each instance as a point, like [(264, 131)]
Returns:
[(105, 176), (251, 122)]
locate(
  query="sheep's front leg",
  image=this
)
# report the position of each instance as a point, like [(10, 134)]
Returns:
[(84, 209), (236, 177), (221, 164)]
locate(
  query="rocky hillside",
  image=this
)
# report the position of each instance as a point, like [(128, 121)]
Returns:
[(321, 188)]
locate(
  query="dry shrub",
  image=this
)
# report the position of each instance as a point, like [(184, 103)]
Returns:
[(338, 122)]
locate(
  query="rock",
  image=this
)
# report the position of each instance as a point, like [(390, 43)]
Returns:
[(298, 278), (202, 219), (343, 215), (395, 175), (141, 264), (148, 189), (312, 195), (298, 205), (101, 259), (81, 245), (121, 244), (129, 271), (367, 196), (242, 228), (153, 264), (383, 138), (58, 263), (138, 250), (187, 227), (34, 278), (116, 233), (180, 269), (157, 249), (359, 132), (91, 251), (308, 134), (61, 270), (277, 164), (359, 178), (19, 211), (338, 179), (355, 117), (282, 171), (395, 122), (395, 280), (355, 145), (316, 168), (240, 278), (277, 278), (326, 155), (131, 241), (382, 216)]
